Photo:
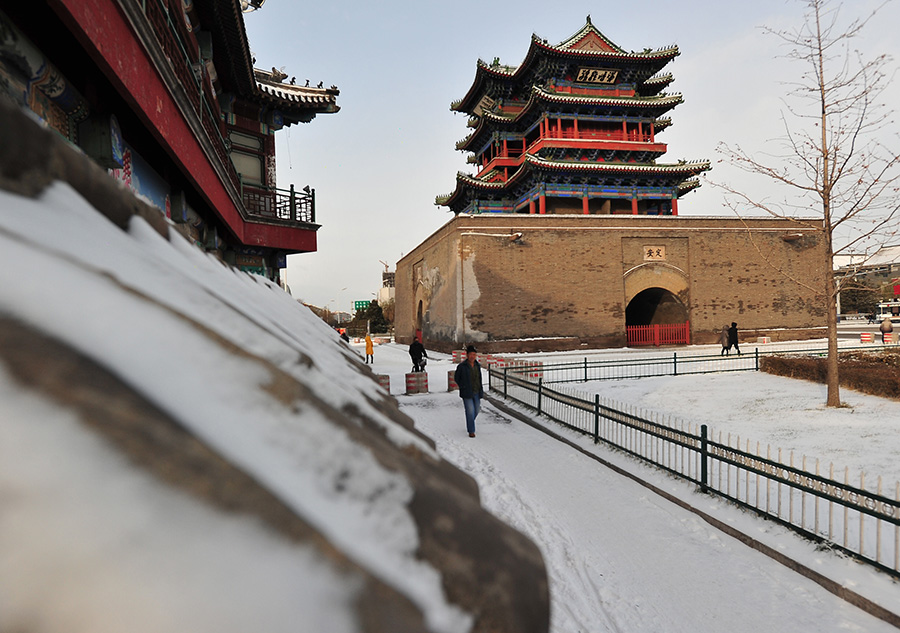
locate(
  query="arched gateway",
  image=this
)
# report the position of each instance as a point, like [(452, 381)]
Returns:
[(657, 317), (656, 312)]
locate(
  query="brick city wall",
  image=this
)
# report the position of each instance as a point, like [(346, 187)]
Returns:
[(567, 281)]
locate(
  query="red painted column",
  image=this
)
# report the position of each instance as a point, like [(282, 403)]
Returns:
[(674, 206), (640, 130), (575, 122), (542, 204), (652, 133), (531, 206), (585, 205), (505, 149), (624, 130), (634, 209)]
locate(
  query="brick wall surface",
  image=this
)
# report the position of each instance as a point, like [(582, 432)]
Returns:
[(566, 283)]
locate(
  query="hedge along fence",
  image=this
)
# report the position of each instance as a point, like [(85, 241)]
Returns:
[(823, 506), (877, 374)]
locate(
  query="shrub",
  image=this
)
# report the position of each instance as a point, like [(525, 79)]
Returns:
[(875, 373)]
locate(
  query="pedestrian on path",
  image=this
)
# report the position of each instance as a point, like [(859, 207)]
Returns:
[(370, 350), (418, 354), (886, 328), (733, 337), (468, 379), (723, 339)]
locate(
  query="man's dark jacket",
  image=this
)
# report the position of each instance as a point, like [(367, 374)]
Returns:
[(463, 378)]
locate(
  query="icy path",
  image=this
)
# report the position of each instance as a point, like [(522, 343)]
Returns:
[(619, 557)]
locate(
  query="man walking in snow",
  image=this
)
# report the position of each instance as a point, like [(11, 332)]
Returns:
[(417, 353), (468, 379), (733, 337)]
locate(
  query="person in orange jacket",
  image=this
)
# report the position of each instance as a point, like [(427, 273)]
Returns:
[(370, 349)]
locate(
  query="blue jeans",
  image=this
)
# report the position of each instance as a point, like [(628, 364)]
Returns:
[(472, 407)]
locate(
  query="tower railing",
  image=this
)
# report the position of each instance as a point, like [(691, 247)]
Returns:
[(513, 149), (280, 204), (593, 135)]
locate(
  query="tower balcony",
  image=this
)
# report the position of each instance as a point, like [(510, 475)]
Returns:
[(631, 136), (511, 154), (271, 203)]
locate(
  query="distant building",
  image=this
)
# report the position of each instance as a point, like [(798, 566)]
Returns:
[(386, 292), (164, 95), (568, 235), (879, 270)]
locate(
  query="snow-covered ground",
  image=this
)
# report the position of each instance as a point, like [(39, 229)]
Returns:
[(623, 559)]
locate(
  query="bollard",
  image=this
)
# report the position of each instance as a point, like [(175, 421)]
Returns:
[(451, 381), (866, 337), (416, 382), (384, 381)]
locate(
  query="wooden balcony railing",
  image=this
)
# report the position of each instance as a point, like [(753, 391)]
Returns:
[(280, 204)]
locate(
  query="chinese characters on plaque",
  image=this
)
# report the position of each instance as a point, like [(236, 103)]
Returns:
[(654, 253), (597, 76)]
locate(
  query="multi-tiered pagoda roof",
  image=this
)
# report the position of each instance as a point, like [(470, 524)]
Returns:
[(571, 129)]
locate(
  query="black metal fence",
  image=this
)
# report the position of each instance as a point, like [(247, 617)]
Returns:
[(673, 364), (861, 520)]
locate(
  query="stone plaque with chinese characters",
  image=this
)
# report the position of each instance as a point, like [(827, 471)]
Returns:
[(597, 76), (654, 253)]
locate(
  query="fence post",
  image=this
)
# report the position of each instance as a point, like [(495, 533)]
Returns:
[(703, 452), (292, 205), (596, 418), (756, 355), (585, 369), (505, 369), (674, 363), (540, 389)]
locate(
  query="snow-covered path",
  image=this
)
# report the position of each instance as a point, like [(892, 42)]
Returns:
[(619, 557)]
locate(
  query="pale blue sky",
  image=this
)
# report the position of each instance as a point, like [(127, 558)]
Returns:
[(378, 164)]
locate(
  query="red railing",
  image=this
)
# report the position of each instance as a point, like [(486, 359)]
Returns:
[(591, 135), (659, 334)]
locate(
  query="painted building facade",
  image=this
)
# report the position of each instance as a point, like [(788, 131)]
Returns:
[(164, 95)]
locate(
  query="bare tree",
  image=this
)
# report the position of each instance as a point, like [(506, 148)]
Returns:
[(837, 156)]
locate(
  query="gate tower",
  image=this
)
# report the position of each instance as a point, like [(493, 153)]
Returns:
[(572, 129)]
